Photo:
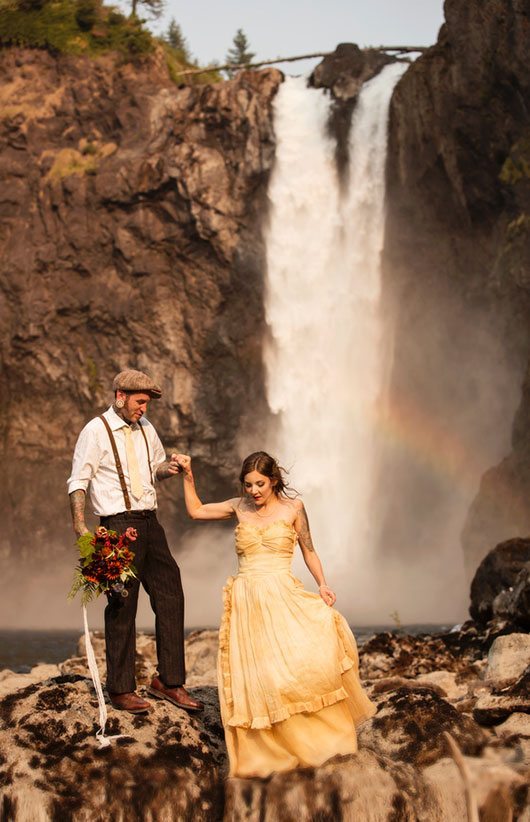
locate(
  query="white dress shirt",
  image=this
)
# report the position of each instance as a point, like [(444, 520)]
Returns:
[(94, 464)]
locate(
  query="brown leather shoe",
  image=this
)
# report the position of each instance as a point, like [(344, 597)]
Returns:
[(178, 696), (130, 702)]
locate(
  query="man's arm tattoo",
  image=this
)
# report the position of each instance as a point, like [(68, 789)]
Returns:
[(304, 534), (162, 471), (77, 507)]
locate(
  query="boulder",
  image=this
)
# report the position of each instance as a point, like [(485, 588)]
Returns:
[(165, 765), (498, 573), (364, 787), (514, 604), (516, 725), (497, 789), (409, 726), (496, 706), (508, 658)]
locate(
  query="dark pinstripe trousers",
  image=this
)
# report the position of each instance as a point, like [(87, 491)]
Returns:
[(160, 576)]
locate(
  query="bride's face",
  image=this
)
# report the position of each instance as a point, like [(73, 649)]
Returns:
[(259, 487)]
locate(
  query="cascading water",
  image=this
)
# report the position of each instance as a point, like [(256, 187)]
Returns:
[(323, 354)]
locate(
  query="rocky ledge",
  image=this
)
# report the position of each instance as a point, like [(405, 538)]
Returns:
[(470, 684)]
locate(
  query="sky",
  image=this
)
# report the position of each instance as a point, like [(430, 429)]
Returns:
[(294, 27)]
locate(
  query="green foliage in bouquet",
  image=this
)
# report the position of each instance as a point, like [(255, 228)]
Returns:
[(105, 564)]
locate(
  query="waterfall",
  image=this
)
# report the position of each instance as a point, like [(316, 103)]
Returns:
[(323, 352)]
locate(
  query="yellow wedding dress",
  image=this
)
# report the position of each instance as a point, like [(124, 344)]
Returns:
[(288, 665)]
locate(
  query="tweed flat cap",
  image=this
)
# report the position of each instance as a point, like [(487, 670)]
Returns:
[(136, 381)]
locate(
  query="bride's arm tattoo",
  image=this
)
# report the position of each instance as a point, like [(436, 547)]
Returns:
[(77, 507), (304, 534)]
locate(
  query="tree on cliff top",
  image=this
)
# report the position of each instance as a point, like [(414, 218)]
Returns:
[(154, 8), (174, 38), (239, 54)]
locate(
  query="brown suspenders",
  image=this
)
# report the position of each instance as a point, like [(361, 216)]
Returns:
[(119, 468)]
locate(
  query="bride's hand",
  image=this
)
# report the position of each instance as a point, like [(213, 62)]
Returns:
[(327, 595), (185, 462)]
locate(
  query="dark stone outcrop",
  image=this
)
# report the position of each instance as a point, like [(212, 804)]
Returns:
[(345, 71), (343, 74), (501, 585), (129, 237), (457, 282)]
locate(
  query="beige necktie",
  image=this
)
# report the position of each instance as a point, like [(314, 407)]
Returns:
[(137, 488)]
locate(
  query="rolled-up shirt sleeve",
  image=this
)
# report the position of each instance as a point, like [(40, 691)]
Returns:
[(85, 462)]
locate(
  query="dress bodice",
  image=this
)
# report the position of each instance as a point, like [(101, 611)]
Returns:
[(265, 549)]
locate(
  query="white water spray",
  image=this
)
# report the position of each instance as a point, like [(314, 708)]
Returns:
[(323, 359)]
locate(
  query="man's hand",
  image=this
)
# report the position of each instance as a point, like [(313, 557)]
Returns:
[(173, 465), (168, 468)]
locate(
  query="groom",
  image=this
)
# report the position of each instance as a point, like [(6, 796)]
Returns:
[(117, 458)]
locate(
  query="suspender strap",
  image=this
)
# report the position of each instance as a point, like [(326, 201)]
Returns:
[(119, 469), (148, 455)]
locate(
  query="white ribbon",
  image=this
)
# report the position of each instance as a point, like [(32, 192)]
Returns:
[(103, 740)]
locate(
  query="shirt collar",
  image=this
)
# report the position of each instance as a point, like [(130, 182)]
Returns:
[(116, 422)]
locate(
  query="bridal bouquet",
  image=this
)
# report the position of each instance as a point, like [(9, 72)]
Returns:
[(105, 564)]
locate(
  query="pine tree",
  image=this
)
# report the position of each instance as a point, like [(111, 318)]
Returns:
[(239, 54), (174, 38)]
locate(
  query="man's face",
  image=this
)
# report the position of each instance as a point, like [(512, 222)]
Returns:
[(135, 405)]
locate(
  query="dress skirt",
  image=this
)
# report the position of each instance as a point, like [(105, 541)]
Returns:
[(288, 665)]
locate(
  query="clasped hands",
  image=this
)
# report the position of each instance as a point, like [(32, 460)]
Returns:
[(179, 463)]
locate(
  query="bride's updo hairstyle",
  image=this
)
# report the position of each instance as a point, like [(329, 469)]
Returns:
[(264, 464)]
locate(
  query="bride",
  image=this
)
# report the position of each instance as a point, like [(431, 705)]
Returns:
[(288, 666)]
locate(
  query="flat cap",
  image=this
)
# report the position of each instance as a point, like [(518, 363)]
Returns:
[(136, 381)]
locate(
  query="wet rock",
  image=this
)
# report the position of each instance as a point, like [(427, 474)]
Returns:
[(166, 765), (411, 656), (496, 577), (409, 726), (514, 604), (344, 71), (496, 706)]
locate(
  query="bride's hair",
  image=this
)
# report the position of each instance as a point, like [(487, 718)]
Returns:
[(264, 464)]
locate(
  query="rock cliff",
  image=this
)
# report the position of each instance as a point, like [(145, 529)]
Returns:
[(128, 236), (457, 277)]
